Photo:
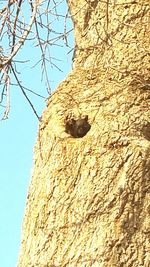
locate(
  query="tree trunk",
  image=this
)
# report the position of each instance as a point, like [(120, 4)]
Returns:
[(88, 202)]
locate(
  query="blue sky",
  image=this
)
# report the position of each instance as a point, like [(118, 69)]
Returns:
[(17, 139)]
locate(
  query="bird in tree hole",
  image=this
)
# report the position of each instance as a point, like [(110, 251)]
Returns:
[(77, 127)]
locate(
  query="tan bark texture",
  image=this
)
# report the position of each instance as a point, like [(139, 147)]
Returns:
[(88, 202)]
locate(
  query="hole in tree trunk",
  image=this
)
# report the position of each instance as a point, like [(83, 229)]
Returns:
[(77, 128)]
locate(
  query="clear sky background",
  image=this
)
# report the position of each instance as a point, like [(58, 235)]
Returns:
[(17, 138)]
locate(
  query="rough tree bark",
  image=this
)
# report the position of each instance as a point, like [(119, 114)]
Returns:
[(88, 198)]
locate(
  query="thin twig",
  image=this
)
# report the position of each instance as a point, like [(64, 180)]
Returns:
[(23, 91)]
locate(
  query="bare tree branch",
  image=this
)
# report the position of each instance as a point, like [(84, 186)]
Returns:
[(22, 39), (34, 22)]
